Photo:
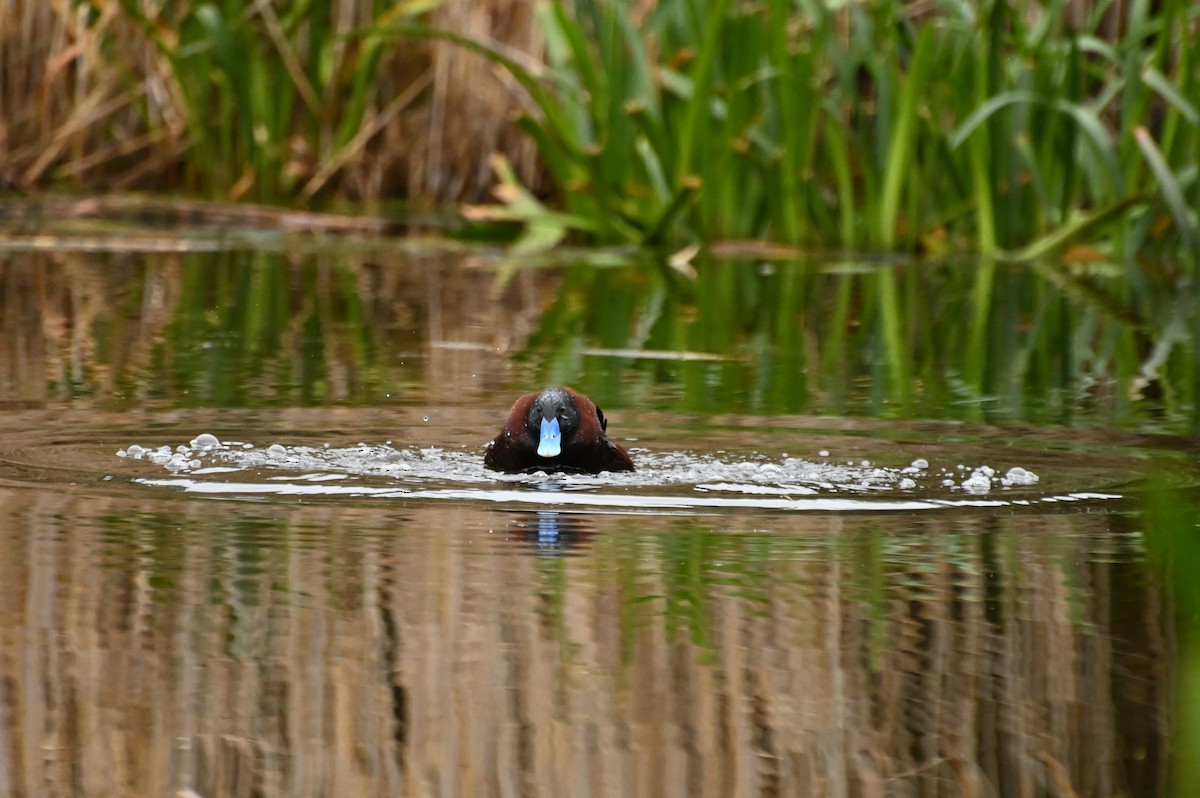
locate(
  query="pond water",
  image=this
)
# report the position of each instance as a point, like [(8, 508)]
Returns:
[(876, 543)]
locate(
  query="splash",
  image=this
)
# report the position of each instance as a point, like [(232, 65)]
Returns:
[(208, 465)]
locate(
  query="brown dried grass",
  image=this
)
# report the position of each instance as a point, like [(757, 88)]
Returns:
[(89, 103)]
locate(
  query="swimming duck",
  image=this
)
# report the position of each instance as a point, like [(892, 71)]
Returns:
[(556, 429)]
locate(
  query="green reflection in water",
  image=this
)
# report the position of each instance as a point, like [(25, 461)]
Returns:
[(894, 341), (889, 341), (974, 621), (1172, 534)]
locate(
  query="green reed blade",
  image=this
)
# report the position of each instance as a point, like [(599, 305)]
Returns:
[(900, 153), (696, 118), (1159, 82), (1171, 191), (837, 150), (789, 102), (679, 203), (584, 71), (1072, 229)]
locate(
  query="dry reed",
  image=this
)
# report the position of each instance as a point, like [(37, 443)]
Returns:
[(97, 97)]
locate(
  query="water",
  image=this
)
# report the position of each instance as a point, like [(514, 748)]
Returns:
[(250, 547), (206, 465)]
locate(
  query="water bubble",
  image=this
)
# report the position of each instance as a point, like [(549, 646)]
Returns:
[(751, 473), (162, 455), (977, 483), (177, 462), (823, 453), (1019, 476), (205, 441)]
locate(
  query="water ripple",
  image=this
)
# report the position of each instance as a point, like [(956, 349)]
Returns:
[(236, 469)]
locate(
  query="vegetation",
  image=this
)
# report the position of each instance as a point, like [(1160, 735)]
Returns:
[(1005, 129), (1064, 136), (869, 125), (285, 102)]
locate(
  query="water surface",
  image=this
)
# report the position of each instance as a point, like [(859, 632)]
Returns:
[(818, 582)]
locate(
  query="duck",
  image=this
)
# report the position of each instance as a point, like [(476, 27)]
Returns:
[(557, 429)]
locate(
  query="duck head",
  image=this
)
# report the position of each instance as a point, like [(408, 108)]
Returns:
[(556, 429)]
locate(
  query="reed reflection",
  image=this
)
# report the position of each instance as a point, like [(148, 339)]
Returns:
[(246, 329), (325, 650)]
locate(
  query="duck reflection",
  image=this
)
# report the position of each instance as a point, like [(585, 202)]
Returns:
[(551, 533)]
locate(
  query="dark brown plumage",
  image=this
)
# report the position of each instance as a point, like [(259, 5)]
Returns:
[(557, 429)]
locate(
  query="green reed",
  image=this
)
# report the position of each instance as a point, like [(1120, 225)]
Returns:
[(1012, 130), (980, 126), (274, 94)]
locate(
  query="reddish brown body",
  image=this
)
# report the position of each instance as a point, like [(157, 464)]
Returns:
[(584, 445)]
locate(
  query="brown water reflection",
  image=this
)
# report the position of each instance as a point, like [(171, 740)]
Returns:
[(157, 642), (156, 647), (238, 328)]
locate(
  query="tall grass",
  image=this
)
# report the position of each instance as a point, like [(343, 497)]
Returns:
[(1008, 130), (288, 101), (275, 96)]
